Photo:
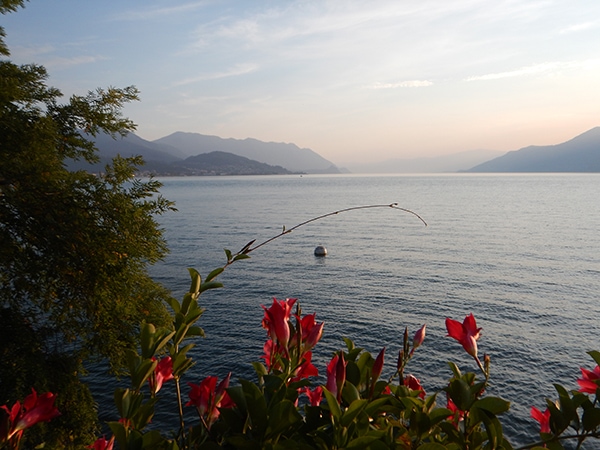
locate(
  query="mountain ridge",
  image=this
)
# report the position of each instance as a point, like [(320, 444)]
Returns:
[(579, 154)]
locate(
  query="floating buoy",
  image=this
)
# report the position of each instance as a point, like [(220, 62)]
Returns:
[(320, 251)]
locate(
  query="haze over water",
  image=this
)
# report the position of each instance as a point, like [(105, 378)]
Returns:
[(521, 252)]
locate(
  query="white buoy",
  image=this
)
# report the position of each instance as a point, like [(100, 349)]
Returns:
[(320, 251)]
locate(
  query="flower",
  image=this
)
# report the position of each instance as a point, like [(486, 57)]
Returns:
[(34, 409), (378, 365), (466, 333), (103, 444), (162, 372), (419, 337), (590, 380), (310, 331), (315, 396), (306, 369), (276, 319), (414, 384), (336, 375), (543, 418), (207, 397)]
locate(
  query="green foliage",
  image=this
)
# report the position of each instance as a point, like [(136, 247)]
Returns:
[(75, 246)]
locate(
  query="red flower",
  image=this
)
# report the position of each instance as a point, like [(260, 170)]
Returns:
[(315, 396), (590, 380), (306, 369), (336, 375), (34, 409), (103, 444), (466, 333), (162, 372), (457, 414), (543, 418), (310, 331), (378, 365), (207, 397), (276, 320), (414, 384)]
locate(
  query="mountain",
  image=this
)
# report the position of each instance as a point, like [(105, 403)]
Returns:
[(222, 163), (289, 156), (162, 158), (580, 154), (436, 164)]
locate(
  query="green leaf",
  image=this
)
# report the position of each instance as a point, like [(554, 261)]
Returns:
[(431, 446), (256, 405), (494, 405), (362, 442), (455, 369), (596, 355), (241, 256), (349, 392), (196, 280), (210, 285), (334, 406), (194, 331), (228, 254), (460, 393), (591, 419), (215, 273), (174, 304), (355, 408), (282, 417)]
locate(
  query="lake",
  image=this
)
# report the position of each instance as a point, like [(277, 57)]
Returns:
[(521, 252)]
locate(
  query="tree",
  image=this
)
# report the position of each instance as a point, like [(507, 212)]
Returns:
[(74, 246)]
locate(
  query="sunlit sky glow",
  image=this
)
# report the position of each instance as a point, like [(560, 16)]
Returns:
[(352, 80)]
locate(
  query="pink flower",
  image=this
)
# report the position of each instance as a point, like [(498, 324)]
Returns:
[(466, 333), (378, 365), (162, 372), (276, 319), (315, 396), (419, 337), (207, 397), (543, 418), (414, 384), (103, 444), (590, 380)]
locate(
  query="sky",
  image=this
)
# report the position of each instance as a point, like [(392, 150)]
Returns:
[(354, 81)]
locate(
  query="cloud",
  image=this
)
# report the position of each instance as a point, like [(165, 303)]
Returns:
[(401, 84), (542, 68), (579, 27), (240, 69), (59, 62), (155, 12)]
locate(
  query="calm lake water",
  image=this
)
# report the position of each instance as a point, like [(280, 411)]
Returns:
[(521, 252)]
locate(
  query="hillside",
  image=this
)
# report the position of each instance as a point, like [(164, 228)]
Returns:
[(289, 156), (580, 154), (171, 155), (222, 163)]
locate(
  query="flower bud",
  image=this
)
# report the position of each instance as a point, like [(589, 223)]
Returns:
[(419, 336)]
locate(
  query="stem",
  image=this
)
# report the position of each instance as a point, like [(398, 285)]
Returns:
[(247, 249), (181, 433)]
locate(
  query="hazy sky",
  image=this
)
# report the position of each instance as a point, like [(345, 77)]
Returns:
[(352, 80)]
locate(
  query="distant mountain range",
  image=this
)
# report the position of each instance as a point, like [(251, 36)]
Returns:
[(580, 154), (196, 154), (435, 164)]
